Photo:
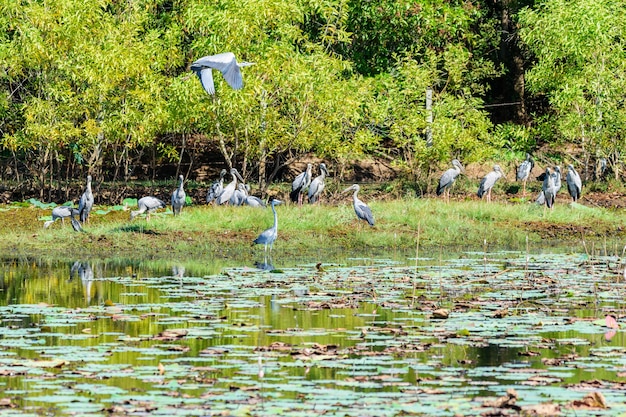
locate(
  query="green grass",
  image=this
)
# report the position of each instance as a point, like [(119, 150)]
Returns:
[(218, 232)]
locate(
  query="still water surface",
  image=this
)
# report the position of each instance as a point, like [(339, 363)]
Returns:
[(359, 336)]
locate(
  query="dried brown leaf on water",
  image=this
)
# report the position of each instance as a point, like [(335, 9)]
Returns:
[(274, 346), (544, 410), (7, 403), (503, 312), (441, 313), (506, 401), (161, 369), (171, 334), (592, 400)]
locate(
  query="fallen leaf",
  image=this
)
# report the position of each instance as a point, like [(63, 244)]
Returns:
[(441, 313), (544, 410), (592, 400)]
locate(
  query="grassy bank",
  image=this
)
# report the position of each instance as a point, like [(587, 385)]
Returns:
[(222, 232)]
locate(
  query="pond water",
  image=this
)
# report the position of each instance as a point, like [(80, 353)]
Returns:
[(360, 336)]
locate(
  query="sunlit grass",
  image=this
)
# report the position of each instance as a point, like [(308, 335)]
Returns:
[(209, 230)]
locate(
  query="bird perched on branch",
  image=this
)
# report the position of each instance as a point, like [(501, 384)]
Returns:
[(361, 209), (226, 63), (147, 204), (85, 203), (178, 197), (489, 181), (448, 178)]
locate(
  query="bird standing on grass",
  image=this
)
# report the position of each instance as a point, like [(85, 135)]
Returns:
[(574, 184), (216, 188), (268, 237), (85, 203), (549, 189), (228, 191), (489, 181), (300, 184), (317, 185), (178, 197), (147, 204), (63, 212), (448, 178), (226, 63), (361, 209), (524, 170)]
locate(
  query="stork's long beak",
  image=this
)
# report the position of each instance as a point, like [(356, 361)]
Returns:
[(348, 189)]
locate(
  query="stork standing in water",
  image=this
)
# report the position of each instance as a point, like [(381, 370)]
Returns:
[(361, 209), (178, 197), (86, 202), (268, 237), (489, 181), (447, 179)]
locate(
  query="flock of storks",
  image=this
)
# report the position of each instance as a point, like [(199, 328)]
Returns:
[(550, 187), (236, 193)]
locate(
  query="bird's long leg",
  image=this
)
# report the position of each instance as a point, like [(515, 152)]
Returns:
[(524, 188), (489, 196)]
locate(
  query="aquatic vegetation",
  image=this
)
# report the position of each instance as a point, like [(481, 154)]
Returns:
[(361, 336)]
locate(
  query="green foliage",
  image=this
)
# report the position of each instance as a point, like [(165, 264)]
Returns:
[(96, 85), (579, 49)]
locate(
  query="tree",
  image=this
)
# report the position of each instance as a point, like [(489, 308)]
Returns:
[(579, 61)]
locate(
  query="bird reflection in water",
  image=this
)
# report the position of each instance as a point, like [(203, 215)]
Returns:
[(266, 265), (84, 271)]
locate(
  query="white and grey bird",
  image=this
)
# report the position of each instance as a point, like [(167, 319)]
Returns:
[(574, 183), (63, 212), (317, 185), (268, 237), (85, 204), (549, 188), (178, 197), (557, 178), (147, 204), (251, 200), (254, 201), (228, 191), (448, 178), (226, 63), (489, 181), (524, 170), (216, 188), (239, 196), (300, 184), (361, 209)]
